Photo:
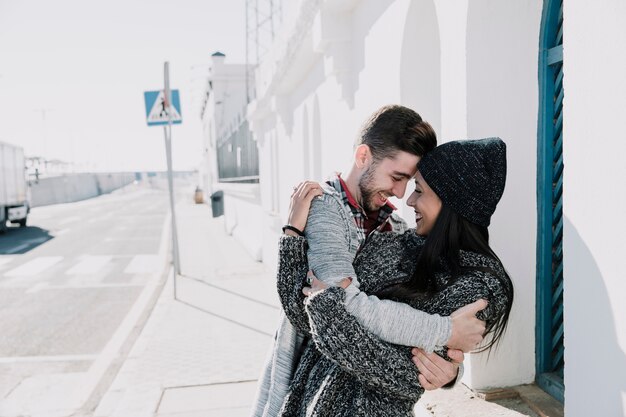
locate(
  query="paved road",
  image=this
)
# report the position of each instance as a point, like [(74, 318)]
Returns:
[(73, 286)]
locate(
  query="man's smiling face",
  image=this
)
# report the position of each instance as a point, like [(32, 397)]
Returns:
[(385, 178)]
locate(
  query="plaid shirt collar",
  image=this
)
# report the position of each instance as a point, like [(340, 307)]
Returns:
[(364, 223)]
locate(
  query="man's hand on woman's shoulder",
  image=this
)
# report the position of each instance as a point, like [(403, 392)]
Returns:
[(467, 330)]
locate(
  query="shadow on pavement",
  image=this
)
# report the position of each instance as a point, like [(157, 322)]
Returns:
[(19, 240)]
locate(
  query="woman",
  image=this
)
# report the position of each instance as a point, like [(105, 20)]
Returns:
[(442, 265)]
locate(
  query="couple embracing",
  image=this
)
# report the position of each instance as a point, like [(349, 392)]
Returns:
[(376, 312)]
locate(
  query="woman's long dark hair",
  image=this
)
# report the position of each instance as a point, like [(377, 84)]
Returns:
[(451, 234)]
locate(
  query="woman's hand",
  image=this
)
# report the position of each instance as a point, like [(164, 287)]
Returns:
[(300, 203), (317, 285)]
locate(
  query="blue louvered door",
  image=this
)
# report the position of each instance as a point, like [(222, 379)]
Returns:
[(550, 346)]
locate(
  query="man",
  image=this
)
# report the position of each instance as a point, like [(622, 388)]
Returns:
[(389, 147)]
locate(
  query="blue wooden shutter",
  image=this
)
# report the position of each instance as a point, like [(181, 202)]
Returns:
[(550, 347)]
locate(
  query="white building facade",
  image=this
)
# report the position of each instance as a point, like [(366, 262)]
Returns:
[(230, 156), (544, 76)]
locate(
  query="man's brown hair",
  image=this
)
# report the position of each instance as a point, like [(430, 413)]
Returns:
[(396, 128)]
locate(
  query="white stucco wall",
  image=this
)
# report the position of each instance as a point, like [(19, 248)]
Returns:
[(452, 18), (243, 217), (502, 42), (594, 207)]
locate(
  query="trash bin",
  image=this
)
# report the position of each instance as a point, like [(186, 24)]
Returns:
[(217, 203)]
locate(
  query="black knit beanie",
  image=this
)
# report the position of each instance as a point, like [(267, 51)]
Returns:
[(468, 176)]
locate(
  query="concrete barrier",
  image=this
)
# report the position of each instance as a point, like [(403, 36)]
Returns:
[(76, 187)]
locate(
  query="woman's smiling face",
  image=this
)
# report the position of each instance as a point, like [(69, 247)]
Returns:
[(426, 204)]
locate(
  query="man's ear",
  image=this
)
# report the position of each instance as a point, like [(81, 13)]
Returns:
[(362, 156)]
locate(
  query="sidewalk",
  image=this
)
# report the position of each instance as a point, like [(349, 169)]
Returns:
[(201, 355)]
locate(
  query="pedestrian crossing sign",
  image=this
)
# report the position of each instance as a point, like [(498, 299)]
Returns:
[(157, 108)]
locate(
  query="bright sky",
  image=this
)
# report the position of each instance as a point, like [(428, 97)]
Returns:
[(83, 67)]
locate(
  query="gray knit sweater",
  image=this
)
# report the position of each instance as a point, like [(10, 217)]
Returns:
[(334, 241), (346, 371)]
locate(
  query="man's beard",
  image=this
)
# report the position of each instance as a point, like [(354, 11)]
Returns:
[(365, 188)]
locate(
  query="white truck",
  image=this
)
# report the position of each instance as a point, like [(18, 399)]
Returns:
[(14, 201)]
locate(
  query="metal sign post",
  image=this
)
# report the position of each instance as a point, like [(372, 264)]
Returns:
[(163, 108), (167, 130)]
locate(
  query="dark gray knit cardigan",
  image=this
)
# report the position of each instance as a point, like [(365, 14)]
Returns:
[(343, 369)]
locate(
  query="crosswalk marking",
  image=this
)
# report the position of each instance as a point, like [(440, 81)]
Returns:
[(90, 264), (57, 358), (45, 287), (128, 238), (143, 264), (34, 266), (86, 265)]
